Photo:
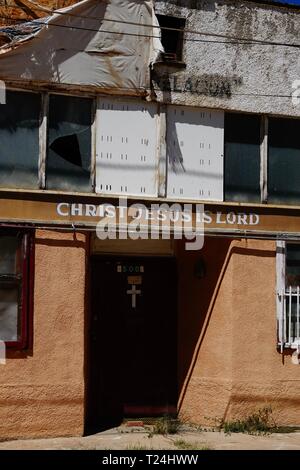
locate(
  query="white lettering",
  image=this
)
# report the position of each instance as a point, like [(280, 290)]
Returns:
[(90, 210), (242, 219), (161, 215), (231, 218), (76, 209), (207, 218), (219, 218), (59, 209), (110, 211), (253, 219)]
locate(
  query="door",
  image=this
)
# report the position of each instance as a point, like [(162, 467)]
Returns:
[(133, 334)]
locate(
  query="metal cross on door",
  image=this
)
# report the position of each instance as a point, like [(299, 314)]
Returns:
[(134, 292)]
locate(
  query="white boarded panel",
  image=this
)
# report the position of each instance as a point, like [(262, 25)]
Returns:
[(126, 147), (195, 142)]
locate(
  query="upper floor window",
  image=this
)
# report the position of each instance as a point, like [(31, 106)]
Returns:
[(262, 159), (19, 140), (69, 144), (172, 37), (284, 161), (54, 143), (242, 157), (15, 249)]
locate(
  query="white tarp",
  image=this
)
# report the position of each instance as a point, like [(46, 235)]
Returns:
[(78, 45)]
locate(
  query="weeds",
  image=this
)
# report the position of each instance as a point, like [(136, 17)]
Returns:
[(260, 422), (165, 425), (184, 445)]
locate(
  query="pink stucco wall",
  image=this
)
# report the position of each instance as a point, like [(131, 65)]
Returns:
[(42, 390), (229, 365)]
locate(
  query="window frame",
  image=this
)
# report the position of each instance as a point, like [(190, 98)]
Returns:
[(264, 156), (25, 300), (284, 339), (43, 133), (43, 136), (262, 123), (36, 92), (179, 59)]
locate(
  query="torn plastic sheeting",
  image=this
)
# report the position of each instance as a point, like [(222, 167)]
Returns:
[(24, 30), (87, 50)]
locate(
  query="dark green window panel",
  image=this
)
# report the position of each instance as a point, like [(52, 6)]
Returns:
[(69, 144), (242, 158), (284, 161), (19, 140), (292, 268)]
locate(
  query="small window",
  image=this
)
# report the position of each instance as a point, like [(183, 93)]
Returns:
[(69, 144), (284, 161), (242, 157), (19, 137), (172, 39), (15, 251), (288, 294)]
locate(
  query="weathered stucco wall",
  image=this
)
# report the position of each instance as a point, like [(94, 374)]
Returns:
[(235, 76), (227, 336), (42, 390)]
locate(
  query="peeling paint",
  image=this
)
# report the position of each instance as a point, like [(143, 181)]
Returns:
[(233, 74), (206, 84)]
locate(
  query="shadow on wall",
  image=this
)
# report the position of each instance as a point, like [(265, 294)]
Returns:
[(174, 158), (197, 298)]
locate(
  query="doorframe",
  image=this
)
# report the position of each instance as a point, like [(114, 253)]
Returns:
[(88, 351)]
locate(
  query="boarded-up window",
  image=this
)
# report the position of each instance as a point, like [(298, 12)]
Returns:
[(126, 159), (195, 142), (69, 144), (284, 161), (242, 158), (19, 140)]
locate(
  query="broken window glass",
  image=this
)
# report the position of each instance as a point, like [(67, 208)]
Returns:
[(19, 140), (69, 144), (242, 157), (284, 161)]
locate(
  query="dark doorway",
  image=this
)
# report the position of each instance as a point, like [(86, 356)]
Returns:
[(133, 339)]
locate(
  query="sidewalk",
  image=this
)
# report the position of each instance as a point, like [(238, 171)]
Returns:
[(137, 438)]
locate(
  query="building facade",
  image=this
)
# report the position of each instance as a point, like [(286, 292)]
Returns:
[(119, 123)]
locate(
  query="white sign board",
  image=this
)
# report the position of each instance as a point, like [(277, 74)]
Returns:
[(126, 147), (195, 142)]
